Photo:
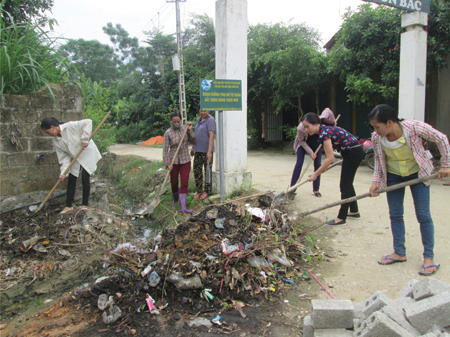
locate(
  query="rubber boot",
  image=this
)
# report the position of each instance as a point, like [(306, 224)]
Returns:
[(175, 199), (182, 204)]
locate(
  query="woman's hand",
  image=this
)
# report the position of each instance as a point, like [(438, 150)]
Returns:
[(373, 188), (444, 172), (189, 125), (192, 153), (313, 176), (208, 156), (313, 155), (170, 167), (84, 145), (62, 177)]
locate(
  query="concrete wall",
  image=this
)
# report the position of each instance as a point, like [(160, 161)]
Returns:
[(20, 169)]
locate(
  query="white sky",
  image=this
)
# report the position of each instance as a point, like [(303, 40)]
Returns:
[(85, 18)]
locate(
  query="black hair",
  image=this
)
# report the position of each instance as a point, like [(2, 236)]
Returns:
[(174, 113), (312, 118), (48, 122), (384, 113)]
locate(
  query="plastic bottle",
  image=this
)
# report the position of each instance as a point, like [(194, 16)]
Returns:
[(154, 279)]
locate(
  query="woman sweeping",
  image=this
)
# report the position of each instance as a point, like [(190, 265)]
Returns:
[(308, 144), (69, 138), (400, 156), (205, 129), (182, 164), (352, 154)]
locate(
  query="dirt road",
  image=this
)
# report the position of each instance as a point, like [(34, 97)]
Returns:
[(353, 272)]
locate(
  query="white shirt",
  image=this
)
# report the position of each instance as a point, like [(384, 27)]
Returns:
[(73, 134)]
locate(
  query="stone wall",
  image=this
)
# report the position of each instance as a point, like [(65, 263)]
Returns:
[(27, 160)]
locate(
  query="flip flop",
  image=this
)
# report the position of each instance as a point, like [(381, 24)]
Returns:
[(437, 265), (317, 194), (66, 210), (391, 259), (204, 195), (196, 196)]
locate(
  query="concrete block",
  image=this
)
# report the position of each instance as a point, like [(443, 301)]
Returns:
[(433, 310), (436, 329), (398, 316), (332, 314), (378, 325), (445, 334), (308, 329), (374, 303), (333, 333), (430, 334), (358, 311), (403, 302), (357, 323), (407, 291), (429, 287)]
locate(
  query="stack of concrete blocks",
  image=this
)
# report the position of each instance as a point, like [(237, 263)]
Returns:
[(423, 309)]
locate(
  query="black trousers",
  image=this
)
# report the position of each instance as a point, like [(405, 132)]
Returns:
[(72, 184), (351, 160)]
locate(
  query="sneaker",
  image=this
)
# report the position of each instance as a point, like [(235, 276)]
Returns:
[(356, 216), (334, 223), (291, 195)]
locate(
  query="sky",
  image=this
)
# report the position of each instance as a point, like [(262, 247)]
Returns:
[(85, 18)]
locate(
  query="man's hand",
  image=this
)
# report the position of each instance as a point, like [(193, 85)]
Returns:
[(84, 145), (62, 177), (373, 188), (313, 176), (208, 156), (170, 167)]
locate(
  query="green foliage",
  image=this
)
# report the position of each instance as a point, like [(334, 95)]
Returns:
[(23, 11), (290, 132), (27, 58), (366, 55)]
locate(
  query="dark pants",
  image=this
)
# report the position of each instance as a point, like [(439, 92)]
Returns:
[(72, 185), (200, 162), (351, 160), (182, 170), (313, 144)]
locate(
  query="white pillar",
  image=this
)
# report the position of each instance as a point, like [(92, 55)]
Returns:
[(413, 66), (231, 63)]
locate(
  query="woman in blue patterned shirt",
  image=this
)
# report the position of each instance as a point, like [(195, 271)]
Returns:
[(352, 154)]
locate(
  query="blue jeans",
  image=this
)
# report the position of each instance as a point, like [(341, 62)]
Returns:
[(313, 144), (421, 197)]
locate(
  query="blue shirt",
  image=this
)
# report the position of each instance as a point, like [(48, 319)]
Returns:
[(341, 139), (202, 133)]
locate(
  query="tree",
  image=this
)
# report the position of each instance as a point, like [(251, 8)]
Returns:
[(95, 60), (26, 10), (367, 52)]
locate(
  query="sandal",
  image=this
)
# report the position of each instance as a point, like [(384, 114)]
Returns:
[(317, 194), (84, 208), (197, 195), (66, 210), (204, 195)]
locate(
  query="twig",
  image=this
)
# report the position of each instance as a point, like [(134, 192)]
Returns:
[(309, 271)]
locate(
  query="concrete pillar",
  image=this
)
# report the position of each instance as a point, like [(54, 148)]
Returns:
[(231, 63), (413, 66)]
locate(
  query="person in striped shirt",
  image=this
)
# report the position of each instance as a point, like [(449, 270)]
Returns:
[(400, 156), (182, 164)]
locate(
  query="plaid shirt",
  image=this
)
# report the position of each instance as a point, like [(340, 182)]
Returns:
[(414, 131), (171, 140)]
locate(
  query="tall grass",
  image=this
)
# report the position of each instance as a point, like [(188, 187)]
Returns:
[(28, 58)]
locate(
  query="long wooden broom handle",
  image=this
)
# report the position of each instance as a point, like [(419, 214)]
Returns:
[(365, 195), (173, 159), (73, 161)]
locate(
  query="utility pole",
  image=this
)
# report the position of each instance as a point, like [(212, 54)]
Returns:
[(182, 94)]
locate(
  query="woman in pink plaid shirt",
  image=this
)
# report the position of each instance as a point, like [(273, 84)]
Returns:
[(182, 164), (400, 156)]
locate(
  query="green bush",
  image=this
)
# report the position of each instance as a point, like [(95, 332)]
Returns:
[(28, 58)]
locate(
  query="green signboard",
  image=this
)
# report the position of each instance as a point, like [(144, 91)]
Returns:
[(220, 95), (409, 5)]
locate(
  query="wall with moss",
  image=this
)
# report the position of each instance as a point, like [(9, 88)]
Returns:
[(27, 160)]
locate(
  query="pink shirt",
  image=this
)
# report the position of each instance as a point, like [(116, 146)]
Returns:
[(302, 135), (414, 132)]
